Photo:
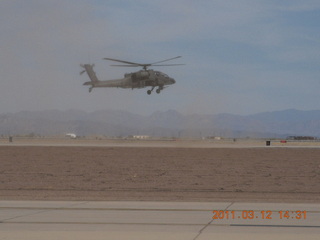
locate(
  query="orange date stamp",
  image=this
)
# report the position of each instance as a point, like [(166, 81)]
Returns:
[(267, 214)]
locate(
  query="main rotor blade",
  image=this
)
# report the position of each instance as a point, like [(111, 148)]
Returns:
[(157, 65), (167, 65), (126, 65), (165, 60), (141, 64), (131, 63)]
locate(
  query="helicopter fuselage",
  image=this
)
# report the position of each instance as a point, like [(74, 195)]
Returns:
[(140, 79)]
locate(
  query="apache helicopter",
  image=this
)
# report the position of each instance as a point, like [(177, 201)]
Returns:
[(141, 79)]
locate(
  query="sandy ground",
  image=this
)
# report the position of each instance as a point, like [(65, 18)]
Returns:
[(268, 174)]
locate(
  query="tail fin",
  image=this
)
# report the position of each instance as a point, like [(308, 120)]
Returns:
[(88, 68)]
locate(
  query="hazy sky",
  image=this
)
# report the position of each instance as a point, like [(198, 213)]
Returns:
[(241, 56)]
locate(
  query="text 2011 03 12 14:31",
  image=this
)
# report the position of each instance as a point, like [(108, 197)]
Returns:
[(265, 214)]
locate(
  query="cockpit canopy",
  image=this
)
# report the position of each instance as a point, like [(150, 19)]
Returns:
[(161, 74)]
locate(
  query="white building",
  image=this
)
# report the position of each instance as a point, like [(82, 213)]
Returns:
[(140, 137), (71, 135)]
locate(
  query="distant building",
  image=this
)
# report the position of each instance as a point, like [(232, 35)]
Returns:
[(140, 137), (71, 135), (214, 138), (301, 138)]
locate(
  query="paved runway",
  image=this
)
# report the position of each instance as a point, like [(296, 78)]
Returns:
[(157, 220)]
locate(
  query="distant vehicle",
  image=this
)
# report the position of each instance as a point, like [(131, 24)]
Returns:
[(71, 135), (141, 79)]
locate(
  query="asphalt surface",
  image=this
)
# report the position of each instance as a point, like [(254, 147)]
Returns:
[(157, 220)]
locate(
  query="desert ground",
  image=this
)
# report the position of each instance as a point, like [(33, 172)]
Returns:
[(166, 171)]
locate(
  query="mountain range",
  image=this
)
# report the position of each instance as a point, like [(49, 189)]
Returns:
[(171, 123)]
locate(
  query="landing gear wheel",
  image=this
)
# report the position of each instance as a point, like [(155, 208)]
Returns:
[(158, 91), (149, 92)]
